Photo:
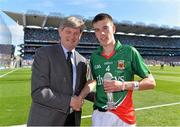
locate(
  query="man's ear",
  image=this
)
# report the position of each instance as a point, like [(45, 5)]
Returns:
[(60, 30)]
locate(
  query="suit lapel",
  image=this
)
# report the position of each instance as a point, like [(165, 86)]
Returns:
[(60, 56)]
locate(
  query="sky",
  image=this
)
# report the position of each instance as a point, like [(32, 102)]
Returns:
[(159, 12)]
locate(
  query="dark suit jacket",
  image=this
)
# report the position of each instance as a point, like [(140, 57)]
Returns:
[(51, 89)]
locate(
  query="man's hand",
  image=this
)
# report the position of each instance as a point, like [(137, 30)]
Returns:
[(76, 103), (112, 85)]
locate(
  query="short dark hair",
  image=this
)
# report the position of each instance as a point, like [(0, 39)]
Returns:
[(102, 16)]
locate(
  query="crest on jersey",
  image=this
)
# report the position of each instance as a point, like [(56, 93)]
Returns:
[(121, 64)]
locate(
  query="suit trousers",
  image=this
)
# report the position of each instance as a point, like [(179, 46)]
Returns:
[(70, 120)]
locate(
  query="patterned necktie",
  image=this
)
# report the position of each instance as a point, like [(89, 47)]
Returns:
[(69, 63)]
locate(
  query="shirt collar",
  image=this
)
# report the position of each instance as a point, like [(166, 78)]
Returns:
[(66, 50)]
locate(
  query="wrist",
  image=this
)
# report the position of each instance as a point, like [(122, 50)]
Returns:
[(135, 85), (81, 97), (123, 85)]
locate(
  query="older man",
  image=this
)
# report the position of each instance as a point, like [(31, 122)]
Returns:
[(58, 76)]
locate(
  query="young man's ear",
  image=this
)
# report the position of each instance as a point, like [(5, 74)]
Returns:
[(114, 28)]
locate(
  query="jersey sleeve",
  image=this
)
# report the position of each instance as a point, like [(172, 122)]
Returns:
[(91, 66), (138, 64)]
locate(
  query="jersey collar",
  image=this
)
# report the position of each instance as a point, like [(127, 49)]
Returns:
[(118, 45)]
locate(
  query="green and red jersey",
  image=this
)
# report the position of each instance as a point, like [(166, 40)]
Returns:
[(123, 65)]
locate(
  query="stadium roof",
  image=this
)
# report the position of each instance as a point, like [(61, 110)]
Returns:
[(34, 19), (124, 27)]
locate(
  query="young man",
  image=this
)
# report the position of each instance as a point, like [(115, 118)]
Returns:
[(58, 76), (113, 67)]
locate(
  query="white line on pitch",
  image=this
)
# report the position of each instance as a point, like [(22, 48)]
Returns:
[(88, 116), (8, 73), (144, 108), (149, 107), (157, 106)]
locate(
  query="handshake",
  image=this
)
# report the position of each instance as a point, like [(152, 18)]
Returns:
[(76, 103)]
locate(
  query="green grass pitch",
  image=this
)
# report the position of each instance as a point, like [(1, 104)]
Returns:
[(15, 99)]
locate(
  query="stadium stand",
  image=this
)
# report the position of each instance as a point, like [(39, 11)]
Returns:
[(155, 44), (151, 48), (6, 47), (6, 54)]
